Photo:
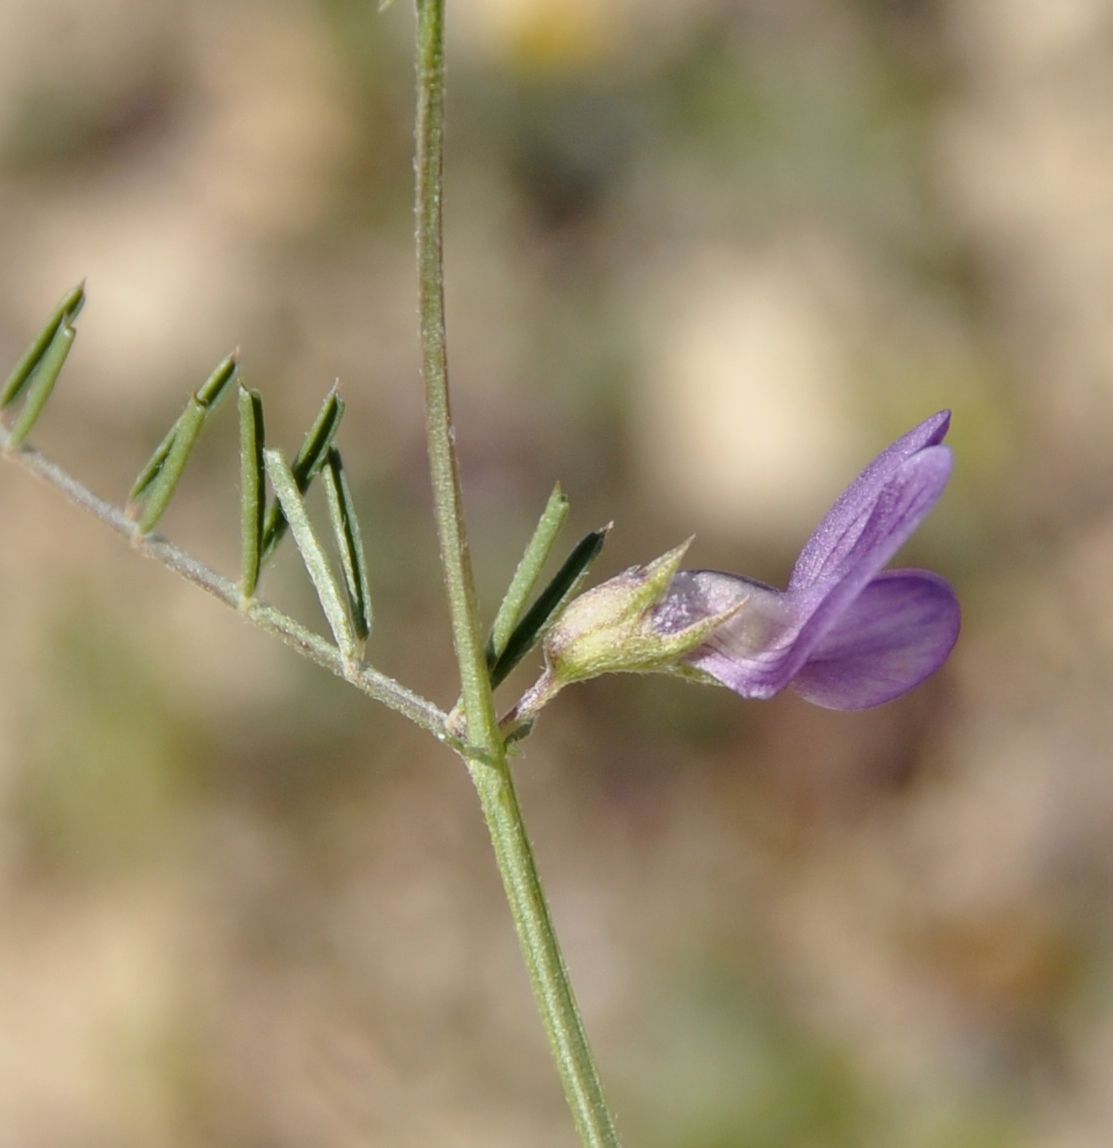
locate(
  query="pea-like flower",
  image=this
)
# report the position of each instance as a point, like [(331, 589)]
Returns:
[(845, 634)]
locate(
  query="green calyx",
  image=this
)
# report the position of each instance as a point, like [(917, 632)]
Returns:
[(612, 628)]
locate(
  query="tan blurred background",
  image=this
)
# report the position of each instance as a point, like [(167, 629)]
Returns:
[(705, 260)]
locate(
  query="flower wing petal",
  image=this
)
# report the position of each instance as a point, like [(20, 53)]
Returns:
[(834, 539), (897, 632)]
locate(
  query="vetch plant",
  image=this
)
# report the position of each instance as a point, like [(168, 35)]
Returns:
[(845, 633)]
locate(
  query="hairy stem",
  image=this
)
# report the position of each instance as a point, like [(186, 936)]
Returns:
[(440, 435), (313, 646), (485, 753), (548, 974)]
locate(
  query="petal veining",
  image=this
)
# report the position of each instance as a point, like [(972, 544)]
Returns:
[(837, 534), (900, 508), (897, 632)]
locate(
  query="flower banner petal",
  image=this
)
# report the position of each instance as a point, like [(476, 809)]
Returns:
[(904, 503), (835, 537)]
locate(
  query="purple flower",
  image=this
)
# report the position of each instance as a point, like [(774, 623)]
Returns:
[(844, 634)]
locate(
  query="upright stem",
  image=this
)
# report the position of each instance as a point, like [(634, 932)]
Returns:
[(548, 974), (447, 503), (484, 752)]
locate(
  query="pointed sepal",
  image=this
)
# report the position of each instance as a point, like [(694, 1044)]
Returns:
[(613, 629)]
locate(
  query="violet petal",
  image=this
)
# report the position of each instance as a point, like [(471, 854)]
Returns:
[(837, 534), (745, 654), (846, 635), (897, 632), (902, 505)]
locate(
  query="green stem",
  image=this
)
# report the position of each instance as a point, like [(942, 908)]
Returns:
[(440, 435), (548, 974), (485, 753)]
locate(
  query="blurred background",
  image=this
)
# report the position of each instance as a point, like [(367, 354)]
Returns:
[(705, 260)]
